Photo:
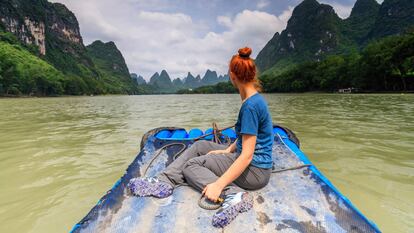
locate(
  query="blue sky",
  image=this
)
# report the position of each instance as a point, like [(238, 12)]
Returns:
[(185, 35)]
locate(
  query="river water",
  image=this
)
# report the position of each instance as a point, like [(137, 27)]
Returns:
[(58, 156)]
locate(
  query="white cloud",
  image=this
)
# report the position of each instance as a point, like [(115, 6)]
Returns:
[(224, 21), (151, 41)]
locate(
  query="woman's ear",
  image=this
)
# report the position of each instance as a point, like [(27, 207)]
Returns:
[(232, 76), (233, 79)]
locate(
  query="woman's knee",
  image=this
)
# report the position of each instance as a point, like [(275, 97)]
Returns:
[(200, 143), (262, 183), (193, 161), (190, 166), (204, 161), (187, 173), (252, 186), (199, 146), (253, 183)]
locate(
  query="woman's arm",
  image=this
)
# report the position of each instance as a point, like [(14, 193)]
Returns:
[(229, 149), (232, 147), (213, 190)]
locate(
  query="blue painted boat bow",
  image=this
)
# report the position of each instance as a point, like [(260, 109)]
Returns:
[(301, 200)]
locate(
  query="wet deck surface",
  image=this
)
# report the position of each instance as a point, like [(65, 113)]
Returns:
[(293, 201)]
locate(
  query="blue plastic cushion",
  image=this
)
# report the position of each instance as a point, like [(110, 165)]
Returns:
[(163, 134), (195, 133), (230, 133), (210, 130), (179, 134)]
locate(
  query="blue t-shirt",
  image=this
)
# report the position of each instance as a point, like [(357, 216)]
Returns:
[(254, 119)]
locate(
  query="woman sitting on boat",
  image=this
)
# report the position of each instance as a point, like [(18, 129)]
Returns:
[(219, 171)]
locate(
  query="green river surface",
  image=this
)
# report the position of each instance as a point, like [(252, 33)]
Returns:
[(58, 156)]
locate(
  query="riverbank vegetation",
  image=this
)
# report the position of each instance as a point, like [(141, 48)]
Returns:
[(23, 73), (223, 87), (385, 65)]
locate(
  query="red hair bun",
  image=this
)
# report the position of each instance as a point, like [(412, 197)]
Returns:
[(245, 52)]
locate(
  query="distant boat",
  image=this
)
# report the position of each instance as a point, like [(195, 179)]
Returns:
[(348, 90), (298, 198)]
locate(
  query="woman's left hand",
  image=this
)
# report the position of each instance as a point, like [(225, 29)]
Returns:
[(212, 191)]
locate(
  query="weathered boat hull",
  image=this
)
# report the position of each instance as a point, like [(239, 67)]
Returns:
[(300, 200)]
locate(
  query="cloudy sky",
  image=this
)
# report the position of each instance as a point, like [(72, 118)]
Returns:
[(185, 35)]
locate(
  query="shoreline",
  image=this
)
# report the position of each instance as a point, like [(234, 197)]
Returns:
[(309, 92)]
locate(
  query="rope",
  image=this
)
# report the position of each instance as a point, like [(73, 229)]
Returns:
[(209, 205), (291, 168), (216, 130), (216, 138), (161, 149)]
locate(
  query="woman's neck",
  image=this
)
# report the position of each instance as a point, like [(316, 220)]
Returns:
[(246, 91)]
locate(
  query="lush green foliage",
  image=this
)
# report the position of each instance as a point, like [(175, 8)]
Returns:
[(385, 65), (362, 19), (11, 39), (312, 33), (112, 69), (65, 55), (395, 16), (315, 32), (23, 73), (100, 70)]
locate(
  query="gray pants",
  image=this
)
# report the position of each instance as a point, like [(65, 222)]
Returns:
[(198, 169)]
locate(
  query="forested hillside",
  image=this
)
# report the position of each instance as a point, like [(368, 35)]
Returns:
[(40, 33)]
